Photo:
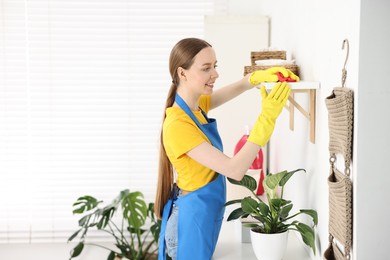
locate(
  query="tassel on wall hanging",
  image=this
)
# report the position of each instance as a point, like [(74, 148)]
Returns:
[(340, 120)]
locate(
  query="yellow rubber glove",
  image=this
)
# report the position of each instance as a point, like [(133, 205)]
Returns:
[(272, 105), (269, 75)]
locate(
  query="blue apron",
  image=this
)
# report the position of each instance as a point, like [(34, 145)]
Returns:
[(201, 211)]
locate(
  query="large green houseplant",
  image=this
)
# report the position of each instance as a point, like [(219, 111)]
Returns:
[(130, 231), (273, 216)]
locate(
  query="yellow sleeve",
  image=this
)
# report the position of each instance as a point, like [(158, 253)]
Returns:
[(180, 136), (205, 102)]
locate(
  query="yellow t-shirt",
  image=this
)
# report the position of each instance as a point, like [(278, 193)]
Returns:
[(180, 135)]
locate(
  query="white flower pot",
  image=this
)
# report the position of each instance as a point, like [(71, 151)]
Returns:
[(269, 246)]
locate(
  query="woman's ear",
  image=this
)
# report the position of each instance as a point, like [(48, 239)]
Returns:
[(181, 73)]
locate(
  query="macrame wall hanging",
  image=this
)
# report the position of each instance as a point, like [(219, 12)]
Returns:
[(340, 120)]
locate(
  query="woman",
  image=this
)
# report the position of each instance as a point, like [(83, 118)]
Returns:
[(192, 209)]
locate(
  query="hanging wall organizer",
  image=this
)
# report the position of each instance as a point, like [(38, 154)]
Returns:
[(340, 120)]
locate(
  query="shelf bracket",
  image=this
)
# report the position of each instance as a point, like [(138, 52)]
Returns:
[(310, 88)]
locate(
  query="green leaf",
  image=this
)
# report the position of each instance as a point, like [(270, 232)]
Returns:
[(120, 197), (231, 202), (125, 249), (252, 225), (275, 204), (264, 209), (285, 210), (77, 250), (237, 213), (281, 227), (260, 218), (249, 205), (307, 234), (259, 229), (267, 227), (74, 235), (312, 213), (155, 229), (284, 202), (247, 181), (105, 216), (84, 233), (272, 180), (85, 220), (271, 183), (111, 256), (117, 201), (150, 211), (134, 209), (136, 230), (287, 176), (84, 204)]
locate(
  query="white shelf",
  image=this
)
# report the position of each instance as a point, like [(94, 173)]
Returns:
[(302, 85), (308, 87)]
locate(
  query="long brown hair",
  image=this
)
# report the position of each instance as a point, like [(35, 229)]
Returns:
[(182, 55)]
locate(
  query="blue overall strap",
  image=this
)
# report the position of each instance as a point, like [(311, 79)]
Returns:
[(201, 211), (210, 129)]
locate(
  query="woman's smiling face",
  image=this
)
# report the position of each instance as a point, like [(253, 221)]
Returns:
[(201, 76)]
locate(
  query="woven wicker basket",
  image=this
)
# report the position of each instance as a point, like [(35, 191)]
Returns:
[(292, 67), (267, 55)]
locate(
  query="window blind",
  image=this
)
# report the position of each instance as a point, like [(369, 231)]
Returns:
[(82, 89)]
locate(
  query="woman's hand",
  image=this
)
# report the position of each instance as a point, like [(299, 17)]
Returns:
[(270, 75), (272, 105)]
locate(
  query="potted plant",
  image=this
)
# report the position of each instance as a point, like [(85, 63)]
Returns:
[(273, 215), (130, 231)]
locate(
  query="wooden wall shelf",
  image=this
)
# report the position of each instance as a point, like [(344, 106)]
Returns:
[(302, 87)]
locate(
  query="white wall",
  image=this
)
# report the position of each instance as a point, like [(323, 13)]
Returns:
[(313, 31), (372, 143)]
